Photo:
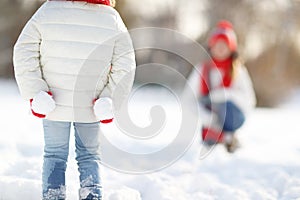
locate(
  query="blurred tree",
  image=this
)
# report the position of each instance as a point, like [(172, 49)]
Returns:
[(13, 16), (124, 10), (268, 32)]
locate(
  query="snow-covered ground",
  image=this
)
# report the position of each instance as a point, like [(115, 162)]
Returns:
[(266, 167)]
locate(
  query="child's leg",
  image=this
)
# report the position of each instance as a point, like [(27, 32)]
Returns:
[(56, 150), (230, 116), (88, 157)]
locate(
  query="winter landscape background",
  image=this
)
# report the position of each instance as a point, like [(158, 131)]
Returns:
[(267, 167), (268, 33)]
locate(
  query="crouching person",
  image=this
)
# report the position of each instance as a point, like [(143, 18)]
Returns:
[(225, 89)]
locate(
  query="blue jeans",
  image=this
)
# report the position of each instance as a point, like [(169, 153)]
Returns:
[(230, 116), (56, 151)]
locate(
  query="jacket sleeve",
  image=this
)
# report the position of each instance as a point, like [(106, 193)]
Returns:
[(242, 92), (26, 59), (122, 73)]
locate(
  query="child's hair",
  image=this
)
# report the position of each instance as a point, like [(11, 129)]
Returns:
[(113, 3), (236, 63)]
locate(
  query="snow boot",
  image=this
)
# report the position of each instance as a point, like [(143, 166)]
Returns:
[(231, 143)]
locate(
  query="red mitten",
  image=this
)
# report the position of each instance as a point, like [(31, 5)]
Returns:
[(103, 109), (42, 104), (211, 136)]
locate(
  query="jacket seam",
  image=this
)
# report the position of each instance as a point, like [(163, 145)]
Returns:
[(60, 73), (50, 40), (71, 58), (71, 24)]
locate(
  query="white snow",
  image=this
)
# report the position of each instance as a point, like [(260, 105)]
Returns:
[(266, 167)]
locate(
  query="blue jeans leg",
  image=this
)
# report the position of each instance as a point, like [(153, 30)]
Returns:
[(56, 150), (87, 137), (230, 116)]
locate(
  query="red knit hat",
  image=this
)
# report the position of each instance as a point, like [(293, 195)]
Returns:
[(224, 30)]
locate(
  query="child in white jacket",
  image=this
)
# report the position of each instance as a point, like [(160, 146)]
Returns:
[(224, 89), (69, 60)]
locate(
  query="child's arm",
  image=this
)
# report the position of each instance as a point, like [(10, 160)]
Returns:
[(27, 61), (122, 72)]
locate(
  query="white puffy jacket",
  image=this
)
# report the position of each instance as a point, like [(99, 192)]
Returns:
[(241, 92), (79, 52)]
